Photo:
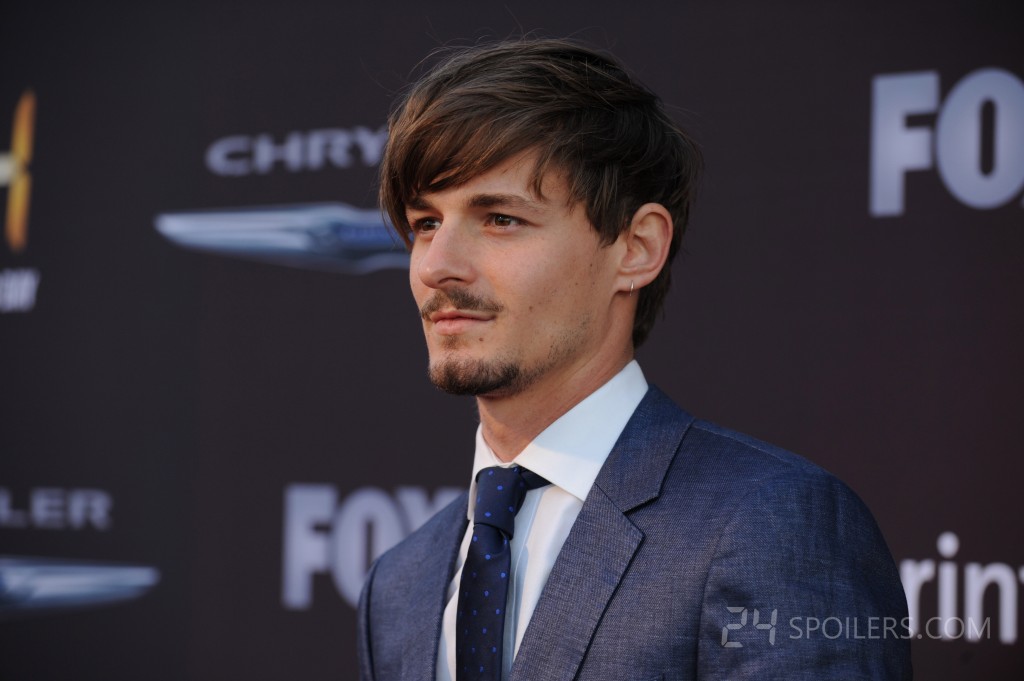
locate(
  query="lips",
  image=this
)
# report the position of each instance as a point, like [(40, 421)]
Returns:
[(444, 315), (451, 322)]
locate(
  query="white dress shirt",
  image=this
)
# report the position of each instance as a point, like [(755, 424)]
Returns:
[(569, 454)]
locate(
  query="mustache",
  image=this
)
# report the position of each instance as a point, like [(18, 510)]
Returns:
[(460, 299)]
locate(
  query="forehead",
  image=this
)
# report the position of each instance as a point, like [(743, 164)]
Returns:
[(519, 181)]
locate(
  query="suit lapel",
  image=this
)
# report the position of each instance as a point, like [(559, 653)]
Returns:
[(428, 593), (588, 569), (601, 544)]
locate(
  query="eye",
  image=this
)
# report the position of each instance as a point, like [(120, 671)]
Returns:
[(423, 225), (502, 221)]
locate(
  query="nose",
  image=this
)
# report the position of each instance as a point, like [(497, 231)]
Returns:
[(444, 259)]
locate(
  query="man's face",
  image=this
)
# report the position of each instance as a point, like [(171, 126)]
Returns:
[(515, 289)]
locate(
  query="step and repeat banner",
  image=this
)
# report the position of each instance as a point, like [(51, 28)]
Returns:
[(215, 412)]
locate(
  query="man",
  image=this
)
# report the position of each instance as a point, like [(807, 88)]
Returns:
[(606, 534)]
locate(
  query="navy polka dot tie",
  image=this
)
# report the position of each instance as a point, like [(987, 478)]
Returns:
[(483, 591)]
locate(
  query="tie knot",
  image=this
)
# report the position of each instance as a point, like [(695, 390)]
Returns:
[(500, 493)]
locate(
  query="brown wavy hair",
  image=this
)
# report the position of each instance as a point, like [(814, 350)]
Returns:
[(607, 134)]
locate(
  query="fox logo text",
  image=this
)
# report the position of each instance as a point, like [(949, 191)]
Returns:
[(976, 142), (322, 535)]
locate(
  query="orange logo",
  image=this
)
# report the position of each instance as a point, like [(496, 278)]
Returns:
[(15, 175)]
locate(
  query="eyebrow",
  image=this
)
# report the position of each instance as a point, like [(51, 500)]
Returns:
[(513, 201)]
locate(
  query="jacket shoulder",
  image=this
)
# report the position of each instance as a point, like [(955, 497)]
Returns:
[(792, 540), (751, 460)]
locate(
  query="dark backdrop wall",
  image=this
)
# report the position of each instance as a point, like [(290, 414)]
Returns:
[(214, 408)]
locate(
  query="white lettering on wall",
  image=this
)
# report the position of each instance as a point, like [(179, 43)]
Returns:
[(18, 289), (977, 580), (240, 155), (54, 508), (324, 536), (981, 171)]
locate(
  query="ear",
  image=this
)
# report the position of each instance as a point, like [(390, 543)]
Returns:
[(646, 246)]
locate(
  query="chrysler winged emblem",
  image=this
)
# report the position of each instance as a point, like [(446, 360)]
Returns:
[(327, 236), (49, 583)]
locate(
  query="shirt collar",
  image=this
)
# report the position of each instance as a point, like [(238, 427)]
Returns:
[(570, 452)]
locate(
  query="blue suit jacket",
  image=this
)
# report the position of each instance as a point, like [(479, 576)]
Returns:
[(688, 530)]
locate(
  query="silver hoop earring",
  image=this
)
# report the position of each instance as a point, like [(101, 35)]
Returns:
[(630, 287)]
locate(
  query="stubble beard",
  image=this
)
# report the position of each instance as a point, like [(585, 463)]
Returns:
[(477, 377), (501, 377), (468, 377)]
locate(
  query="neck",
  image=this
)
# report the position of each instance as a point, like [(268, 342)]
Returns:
[(513, 421)]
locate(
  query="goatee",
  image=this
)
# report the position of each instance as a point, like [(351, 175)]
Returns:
[(477, 377)]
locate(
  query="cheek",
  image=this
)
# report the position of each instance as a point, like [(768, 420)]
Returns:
[(580, 278), (416, 284), (556, 295)]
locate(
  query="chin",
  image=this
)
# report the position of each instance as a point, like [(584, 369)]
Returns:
[(477, 377)]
